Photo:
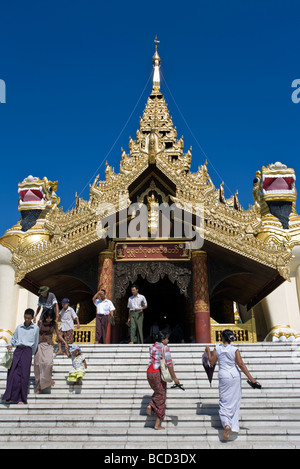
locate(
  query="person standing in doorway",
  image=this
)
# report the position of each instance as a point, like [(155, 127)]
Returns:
[(25, 339), (105, 309), (136, 304)]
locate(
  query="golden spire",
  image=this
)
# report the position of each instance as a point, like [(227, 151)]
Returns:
[(156, 63)]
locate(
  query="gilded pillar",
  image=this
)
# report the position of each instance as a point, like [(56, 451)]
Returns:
[(105, 280), (201, 297)]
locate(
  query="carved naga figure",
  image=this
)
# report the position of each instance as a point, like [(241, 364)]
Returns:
[(275, 195), (37, 197)]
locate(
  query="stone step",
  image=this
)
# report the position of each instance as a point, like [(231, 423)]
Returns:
[(63, 388), (109, 409), (114, 416), (112, 446), (105, 432), (139, 391), (142, 351), (93, 407)]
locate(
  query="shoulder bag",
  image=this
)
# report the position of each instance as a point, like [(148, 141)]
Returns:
[(164, 370)]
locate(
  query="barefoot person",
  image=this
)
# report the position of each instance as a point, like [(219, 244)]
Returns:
[(43, 359), (159, 397), (230, 386), (25, 339)]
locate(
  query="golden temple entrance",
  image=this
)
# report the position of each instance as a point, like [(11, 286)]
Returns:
[(139, 225)]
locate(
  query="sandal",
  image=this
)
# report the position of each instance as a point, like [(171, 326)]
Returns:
[(255, 385), (180, 386)]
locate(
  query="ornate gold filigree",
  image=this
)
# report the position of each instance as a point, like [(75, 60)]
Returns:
[(156, 148), (37, 198), (274, 187)]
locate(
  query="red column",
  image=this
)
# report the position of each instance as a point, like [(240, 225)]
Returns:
[(201, 297), (106, 278)]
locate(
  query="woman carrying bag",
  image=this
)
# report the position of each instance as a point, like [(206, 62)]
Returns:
[(158, 352)]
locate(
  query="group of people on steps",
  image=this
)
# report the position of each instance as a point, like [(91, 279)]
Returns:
[(30, 340)]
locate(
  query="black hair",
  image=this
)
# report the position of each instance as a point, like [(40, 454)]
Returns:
[(161, 335), (104, 291), (49, 313), (29, 311), (135, 286), (228, 335)]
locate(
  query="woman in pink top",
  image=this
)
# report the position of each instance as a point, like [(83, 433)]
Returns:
[(158, 400)]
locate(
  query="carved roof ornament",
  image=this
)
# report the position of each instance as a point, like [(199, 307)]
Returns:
[(156, 63), (155, 149), (275, 196), (156, 144)]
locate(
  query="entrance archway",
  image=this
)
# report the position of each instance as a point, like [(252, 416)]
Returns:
[(78, 291), (166, 288), (167, 307)]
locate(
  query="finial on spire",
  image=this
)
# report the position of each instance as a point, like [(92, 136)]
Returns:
[(156, 63)]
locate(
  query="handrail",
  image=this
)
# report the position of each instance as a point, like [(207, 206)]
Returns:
[(245, 332)]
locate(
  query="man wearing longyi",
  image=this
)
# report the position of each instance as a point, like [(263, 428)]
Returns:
[(105, 310), (25, 339), (137, 303)]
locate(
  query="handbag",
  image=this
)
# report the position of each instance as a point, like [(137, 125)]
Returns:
[(164, 370), (7, 360)]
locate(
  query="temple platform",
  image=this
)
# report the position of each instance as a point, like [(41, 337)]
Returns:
[(109, 409)]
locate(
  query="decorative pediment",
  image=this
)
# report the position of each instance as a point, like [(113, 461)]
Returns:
[(154, 163)]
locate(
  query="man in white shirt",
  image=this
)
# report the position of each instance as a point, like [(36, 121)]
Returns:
[(136, 305), (105, 309)]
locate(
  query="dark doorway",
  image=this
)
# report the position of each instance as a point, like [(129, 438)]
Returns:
[(167, 307)]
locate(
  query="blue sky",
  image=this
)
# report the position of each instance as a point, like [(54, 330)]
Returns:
[(74, 73)]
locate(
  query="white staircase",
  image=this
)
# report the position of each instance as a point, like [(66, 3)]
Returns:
[(109, 409)]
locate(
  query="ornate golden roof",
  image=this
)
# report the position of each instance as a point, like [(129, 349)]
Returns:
[(155, 150)]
